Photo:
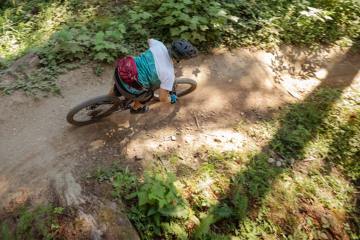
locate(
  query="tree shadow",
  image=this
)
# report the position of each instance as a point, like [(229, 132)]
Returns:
[(298, 127), (345, 148), (345, 151)]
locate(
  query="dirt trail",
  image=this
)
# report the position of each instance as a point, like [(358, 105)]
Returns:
[(38, 146)]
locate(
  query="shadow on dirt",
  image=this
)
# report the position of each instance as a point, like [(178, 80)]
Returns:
[(298, 127), (232, 88)]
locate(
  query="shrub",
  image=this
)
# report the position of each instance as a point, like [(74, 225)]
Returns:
[(269, 23), (104, 43), (158, 203), (180, 19), (324, 21)]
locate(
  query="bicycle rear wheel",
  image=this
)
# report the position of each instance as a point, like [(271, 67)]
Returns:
[(93, 110), (182, 87)]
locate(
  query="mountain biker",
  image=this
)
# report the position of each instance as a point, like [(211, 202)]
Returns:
[(137, 77)]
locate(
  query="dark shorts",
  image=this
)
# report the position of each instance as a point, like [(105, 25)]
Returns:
[(145, 96), (116, 91)]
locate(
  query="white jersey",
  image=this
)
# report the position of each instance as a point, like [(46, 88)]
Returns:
[(163, 63)]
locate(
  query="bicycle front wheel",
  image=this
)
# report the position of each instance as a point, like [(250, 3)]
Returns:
[(182, 87)]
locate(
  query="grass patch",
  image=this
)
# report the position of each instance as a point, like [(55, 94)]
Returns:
[(240, 197), (325, 126), (41, 82), (42, 222)]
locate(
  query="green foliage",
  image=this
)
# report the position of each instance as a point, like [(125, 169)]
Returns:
[(152, 204), (5, 232), (98, 70), (158, 198), (259, 227), (215, 214), (345, 148), (59, 210), (123, 183), (322, 21), (158, 203), (265, 23), (345, 134), (28, 24), (251, 184), (39, 223), (257, 178), (269, 23), (180, 19), (67, 45), (174, 229), (326, 121), (240, 201), (107, 45), (240, 194), (122, 180), (60, 33), (103, 42), (41, 82), (301, 122)]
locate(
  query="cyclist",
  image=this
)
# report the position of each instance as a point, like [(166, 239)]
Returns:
[(137, 77)]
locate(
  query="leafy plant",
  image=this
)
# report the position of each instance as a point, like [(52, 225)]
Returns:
[(180, 19), (321, 21), (104, 43), (158, 197), (215, 214), (333, 130), (108, 44), (123, 183), (40, 82), (174, 229), (159, 200)]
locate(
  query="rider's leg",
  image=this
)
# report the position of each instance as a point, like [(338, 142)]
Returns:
[(137, 104), (138, 107), (141, 106), (112, 93)]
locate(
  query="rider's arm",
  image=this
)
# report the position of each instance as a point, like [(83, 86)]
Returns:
[(164, 95)]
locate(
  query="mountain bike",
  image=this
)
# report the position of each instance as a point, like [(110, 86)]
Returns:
[(100, 107)]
